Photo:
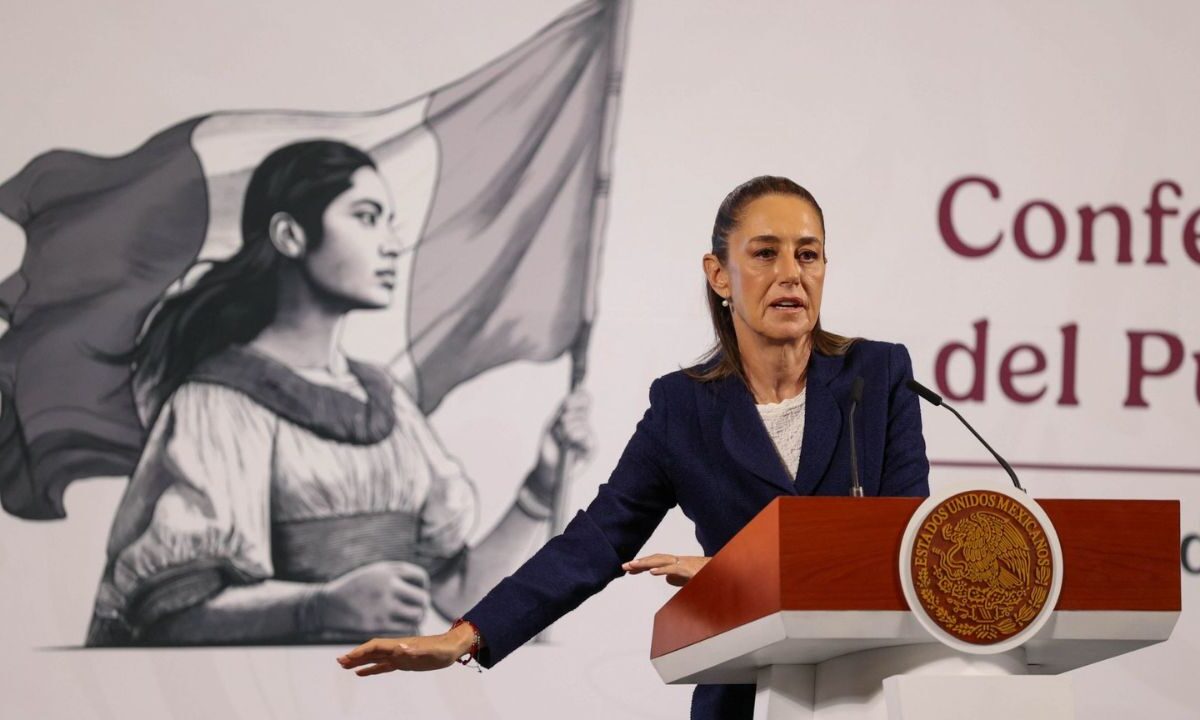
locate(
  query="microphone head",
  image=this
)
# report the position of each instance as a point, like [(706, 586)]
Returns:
[(856, 390), (924, 392)]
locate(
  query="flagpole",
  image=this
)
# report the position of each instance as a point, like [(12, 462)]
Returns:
[(619, 14)]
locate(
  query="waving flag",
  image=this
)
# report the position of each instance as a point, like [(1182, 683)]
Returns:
[(506, 167)]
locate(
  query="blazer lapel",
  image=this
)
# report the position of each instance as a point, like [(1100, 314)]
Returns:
[(822, 423), (746, 439)]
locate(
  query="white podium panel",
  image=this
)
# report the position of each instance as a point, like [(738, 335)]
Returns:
[(929, 697), (852, 686)]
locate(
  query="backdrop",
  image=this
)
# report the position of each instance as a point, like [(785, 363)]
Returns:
[(1010, 189)]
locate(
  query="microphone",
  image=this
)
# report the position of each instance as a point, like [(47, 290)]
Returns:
[(935, 399), (856, 391)]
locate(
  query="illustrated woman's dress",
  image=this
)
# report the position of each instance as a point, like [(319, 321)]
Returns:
[(253, 471)]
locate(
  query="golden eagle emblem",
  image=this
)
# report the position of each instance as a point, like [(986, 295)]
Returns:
[(987, 548), (981, 566)]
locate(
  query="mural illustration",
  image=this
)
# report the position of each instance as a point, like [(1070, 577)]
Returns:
[(177, 319)]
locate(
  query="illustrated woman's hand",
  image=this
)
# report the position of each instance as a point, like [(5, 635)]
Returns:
[(568, 430), (430, 652), (382, 597), (678, 569)]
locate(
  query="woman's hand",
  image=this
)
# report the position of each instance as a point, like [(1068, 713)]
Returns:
[(381, 597), (677, 568), (429, 652)]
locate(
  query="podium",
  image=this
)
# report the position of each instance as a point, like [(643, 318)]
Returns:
[(807, 603)]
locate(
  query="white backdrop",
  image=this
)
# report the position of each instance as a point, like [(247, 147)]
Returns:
[(876, 107)]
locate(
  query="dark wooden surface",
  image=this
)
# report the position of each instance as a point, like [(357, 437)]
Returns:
[(1118, 554), (740, 584)]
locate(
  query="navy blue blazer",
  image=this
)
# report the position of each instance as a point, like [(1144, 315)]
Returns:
[(703, 446)]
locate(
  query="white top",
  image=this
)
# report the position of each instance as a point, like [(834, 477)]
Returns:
[(785, 424)]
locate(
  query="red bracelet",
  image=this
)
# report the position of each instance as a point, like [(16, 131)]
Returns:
[(473, 651)]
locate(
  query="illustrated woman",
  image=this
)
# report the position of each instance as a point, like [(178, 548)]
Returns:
[(287, 493)]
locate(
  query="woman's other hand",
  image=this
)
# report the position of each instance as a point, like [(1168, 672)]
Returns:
[(429, 652), (381, 597), (678, 569)]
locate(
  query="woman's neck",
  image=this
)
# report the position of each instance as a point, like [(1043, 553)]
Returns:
[(775, 371), (306, 331)]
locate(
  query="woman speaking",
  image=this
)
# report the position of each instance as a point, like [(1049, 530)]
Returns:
[(762, 416)]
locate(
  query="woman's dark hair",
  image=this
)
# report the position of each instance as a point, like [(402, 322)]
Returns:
[(724, 359), (236, 298)]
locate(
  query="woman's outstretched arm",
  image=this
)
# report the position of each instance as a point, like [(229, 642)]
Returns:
[(567, 570)]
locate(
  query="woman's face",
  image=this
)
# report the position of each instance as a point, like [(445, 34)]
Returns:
[(355, 261), (774, 270)]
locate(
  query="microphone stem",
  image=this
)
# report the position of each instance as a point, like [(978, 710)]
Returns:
[(1003, 463), (856, 486)]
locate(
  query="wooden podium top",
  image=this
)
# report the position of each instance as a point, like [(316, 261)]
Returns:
[(841, 554)]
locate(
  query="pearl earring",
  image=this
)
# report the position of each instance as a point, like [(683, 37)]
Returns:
[(725, 302)]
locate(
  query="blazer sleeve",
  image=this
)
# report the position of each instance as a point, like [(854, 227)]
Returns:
[(905, 465), (588, 554)]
